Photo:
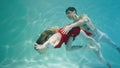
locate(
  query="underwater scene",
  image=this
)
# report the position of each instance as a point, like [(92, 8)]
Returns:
[(22, 21)]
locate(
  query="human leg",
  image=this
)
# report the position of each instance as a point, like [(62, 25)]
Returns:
[(69, 46), (97, 50), (109, 41), (101, 58), (102, 37), (92, 44)]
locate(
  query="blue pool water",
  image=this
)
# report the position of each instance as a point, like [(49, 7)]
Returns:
[(21, 21)]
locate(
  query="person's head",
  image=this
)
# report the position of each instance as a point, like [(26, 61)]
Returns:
[(71, 12)]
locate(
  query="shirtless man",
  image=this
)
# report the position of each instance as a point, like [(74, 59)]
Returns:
[(89, 28)]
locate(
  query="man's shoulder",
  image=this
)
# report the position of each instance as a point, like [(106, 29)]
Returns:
[(83, 15)]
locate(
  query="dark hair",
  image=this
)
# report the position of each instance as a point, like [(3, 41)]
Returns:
[(71, 9)]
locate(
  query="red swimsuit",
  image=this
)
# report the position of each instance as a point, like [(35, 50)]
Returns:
[(65, 37)]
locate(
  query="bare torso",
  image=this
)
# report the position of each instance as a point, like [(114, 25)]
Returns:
[(87, 26)]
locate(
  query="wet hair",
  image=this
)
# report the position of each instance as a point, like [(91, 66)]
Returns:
[(71, 9)]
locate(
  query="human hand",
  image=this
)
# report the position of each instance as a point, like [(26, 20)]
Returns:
[(37, 46)]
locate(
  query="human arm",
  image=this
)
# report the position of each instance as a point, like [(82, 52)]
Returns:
[(82, 19), (46, 35), (53, 40), (40, 48)]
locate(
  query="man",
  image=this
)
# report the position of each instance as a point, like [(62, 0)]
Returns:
[(57, 39), (89, 28)]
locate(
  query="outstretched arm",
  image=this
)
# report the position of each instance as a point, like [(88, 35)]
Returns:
[(75, 24)]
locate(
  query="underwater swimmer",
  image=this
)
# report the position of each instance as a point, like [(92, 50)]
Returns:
[(89, 28), (91, 31)]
